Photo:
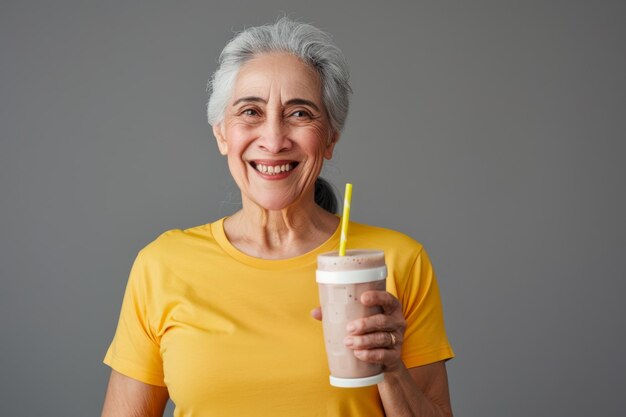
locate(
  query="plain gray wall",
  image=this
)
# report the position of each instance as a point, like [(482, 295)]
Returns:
[(493, 132)]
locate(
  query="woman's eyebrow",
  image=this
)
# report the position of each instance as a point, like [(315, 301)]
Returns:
[(249, 99), (302, 102), (293, 101)]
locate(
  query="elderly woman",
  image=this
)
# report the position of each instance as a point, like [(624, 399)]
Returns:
[(218, 317)]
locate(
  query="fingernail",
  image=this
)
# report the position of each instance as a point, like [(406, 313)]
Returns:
[(351, 327), (348, 341)]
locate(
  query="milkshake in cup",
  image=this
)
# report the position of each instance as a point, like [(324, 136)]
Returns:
[(342, 280)]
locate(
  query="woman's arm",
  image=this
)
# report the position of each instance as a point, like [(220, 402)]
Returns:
[(421, 391), (127, 397)]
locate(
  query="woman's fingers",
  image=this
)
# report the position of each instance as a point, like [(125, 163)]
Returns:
[(386, 340), (378, 338), (388, 302), (390, 320), (375, 323), (379, 347), (316, 313), (387, 357)]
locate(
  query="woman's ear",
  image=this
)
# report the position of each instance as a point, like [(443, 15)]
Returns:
[(220, 137), (328, 152)]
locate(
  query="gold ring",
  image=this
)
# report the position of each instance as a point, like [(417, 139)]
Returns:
[(393, 339)]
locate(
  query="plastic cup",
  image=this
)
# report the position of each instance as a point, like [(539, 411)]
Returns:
[(341, 281)]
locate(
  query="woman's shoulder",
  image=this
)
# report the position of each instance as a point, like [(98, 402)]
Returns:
[(177, 242), (393, 242)]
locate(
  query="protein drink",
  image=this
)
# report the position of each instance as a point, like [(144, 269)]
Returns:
[(342, 280)]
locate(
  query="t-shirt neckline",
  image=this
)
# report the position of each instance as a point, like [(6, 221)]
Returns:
[(217, 230)]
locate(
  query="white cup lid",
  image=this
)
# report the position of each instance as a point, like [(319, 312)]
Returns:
[(356, 382), (355, 276)]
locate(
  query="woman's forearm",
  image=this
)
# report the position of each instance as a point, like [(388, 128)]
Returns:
[(401, 397)]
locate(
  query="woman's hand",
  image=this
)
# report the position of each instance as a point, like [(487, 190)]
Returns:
[(422, 390), (377, 338)]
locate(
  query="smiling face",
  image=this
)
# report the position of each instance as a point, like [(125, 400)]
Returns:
[(276, 132)]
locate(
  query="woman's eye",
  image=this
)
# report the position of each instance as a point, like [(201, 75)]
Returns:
[(249, 112), (300, 114)]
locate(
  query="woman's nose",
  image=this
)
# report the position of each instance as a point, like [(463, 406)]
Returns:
[(274, 137)]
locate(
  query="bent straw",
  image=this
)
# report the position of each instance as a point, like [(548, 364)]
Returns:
[(345, 219)]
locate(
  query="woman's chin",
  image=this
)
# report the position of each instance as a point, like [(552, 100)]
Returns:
[(276, 204), (274, 207)]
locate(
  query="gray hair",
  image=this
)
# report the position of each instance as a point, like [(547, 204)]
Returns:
[(305, 41)]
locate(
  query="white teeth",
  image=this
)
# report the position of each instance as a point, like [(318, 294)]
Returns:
[(273, 170)]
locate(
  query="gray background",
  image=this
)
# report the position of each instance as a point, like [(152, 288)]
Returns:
[(493, 132)]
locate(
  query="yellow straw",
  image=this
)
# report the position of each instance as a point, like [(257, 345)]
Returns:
[(345, 219)]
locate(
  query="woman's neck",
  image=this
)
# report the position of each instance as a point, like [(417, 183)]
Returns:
[(279, 234)]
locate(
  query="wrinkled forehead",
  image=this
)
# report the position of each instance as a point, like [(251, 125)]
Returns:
[(278, 76)]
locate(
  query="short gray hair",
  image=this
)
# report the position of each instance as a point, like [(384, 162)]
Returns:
[(305, 41)]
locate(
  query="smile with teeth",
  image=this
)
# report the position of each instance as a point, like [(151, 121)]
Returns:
[(274, 169)]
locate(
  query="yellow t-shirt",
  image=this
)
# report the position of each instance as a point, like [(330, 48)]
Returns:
[(232, 335)]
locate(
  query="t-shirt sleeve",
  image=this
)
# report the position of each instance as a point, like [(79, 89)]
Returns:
[(425, 339), (135, 350)]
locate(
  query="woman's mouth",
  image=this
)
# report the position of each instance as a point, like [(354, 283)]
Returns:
[(273, 168)]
